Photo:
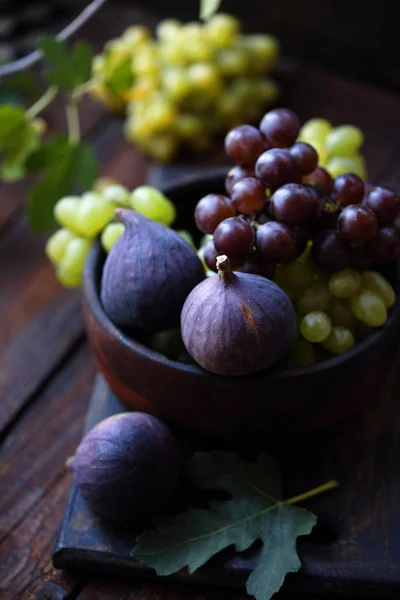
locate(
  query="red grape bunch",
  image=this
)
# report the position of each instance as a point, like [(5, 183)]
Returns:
[(278, 202)]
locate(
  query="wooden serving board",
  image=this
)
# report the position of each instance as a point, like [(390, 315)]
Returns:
[(355, 547)]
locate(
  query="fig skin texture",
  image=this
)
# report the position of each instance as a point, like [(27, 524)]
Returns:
[(127, 467), (237, 323), (148, 275)]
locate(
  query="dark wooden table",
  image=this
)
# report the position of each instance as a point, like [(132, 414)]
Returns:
[(47, 368)]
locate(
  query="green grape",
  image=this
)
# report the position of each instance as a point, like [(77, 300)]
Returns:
[(136, 36), (339, 165), (70, 268), (267, 90), (314, 298), (151, 203), (222, 29), (315, 129), (321, 151), (264, 50), (210, 273), (173, 52), (344, 140), (39, 125), (57, 244), (206, 238), (301, 354), (375, 282), (176, 84), (339, 340), (160, 115), (116, 194), (204, 77), (168, 28), (66, 211), (294, 278), (189, 126), (233, 62), (341, 314), (110, 234), (369, 308), (94, 213), (162, 147), (315, 326), (187, 237), (345, 283), (146, 60)]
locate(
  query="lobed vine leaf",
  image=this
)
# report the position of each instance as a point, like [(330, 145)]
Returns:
[(65, 166), (66, 69), (254, 512), (18, 139)]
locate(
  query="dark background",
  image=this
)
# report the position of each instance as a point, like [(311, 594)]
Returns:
[(357, 39)]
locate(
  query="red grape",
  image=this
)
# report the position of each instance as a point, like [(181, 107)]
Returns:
[(248, 195), (276, 167), (281, 127), (276, 242), (234, 237), (294, 204), (357, 224), (320, 179), (347, 189), (235, 175), (256, 265), (326, 220), (385, 246), (210, 255), (359, 259), (385, 203), (329, 251), (244, 144), (306, 157), (211, 210)]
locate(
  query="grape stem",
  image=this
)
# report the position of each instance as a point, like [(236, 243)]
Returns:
[(42, 102), (74, 133)]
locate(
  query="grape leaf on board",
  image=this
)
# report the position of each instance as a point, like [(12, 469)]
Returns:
[(254, 512), (208, 8), (65, 166)]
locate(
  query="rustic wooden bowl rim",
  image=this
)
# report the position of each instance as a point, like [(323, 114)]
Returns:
[(92, 296)]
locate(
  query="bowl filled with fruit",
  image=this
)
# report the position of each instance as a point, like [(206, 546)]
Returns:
[(274, 313)]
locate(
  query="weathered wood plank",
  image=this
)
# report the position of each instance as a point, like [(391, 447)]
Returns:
[(34, 481)]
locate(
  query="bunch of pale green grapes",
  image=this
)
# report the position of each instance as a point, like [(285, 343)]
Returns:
[(188, 84), (338, 148), (85, 218)]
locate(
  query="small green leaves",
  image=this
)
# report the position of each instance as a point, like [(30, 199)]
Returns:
[(254, 512), (208, 8), (67, 70), (19, 137), (66, 165)]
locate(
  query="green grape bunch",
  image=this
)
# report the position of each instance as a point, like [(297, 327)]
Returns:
[(187, 84), (85, 218)]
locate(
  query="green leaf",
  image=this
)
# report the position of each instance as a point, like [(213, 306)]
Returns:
[(86, 169), (67, 70), (48, 153), (120, 77), (67, 165), (208, 8), (18, 139), (254, 512)]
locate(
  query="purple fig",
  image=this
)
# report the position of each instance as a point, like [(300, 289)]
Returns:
[(148, 274), (237, 323), (127, 467)]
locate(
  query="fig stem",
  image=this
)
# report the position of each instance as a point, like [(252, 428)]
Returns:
[(223, 264)]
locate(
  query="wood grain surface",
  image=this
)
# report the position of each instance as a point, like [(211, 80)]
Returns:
[(47, 371)]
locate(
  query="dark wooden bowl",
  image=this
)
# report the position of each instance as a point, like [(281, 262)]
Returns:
[(265, 406)]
